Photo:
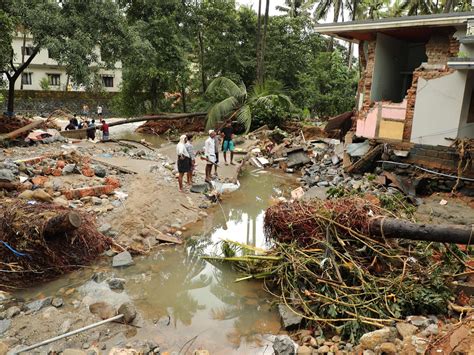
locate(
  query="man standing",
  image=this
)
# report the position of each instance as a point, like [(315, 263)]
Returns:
[(105, 131), (228, 143), (210, 154), (99, 111)]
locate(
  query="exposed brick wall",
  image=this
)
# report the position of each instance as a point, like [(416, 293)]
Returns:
[(438, 49), (365, 83), (453, 47)]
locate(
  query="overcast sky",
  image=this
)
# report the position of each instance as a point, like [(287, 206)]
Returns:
[(273, 5)]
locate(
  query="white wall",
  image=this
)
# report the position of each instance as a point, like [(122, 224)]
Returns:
[(41, 66), (466, 130), (438, 109)]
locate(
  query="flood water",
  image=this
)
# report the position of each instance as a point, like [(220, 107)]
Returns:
[(186, 303)]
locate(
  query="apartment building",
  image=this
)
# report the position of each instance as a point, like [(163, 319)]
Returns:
[(44, 73)]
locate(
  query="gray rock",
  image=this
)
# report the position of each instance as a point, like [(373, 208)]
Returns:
[(86, 346), (140, 153), (70, 169), (7, 175), (104, 228), (4, 325), (122, 259), (100, 276), (419, 321), (128, 311), (110, 253), (65, 326), (283, 345), (323, 183), (12, 312), (116, 283), (200, 188), (35, 306), (289, 318), (57, 302), (430, 330), (100, 171)]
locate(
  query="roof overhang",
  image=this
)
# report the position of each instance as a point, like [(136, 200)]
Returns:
[(408, 26)]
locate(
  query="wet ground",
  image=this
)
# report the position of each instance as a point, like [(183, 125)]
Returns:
[(184, 302)]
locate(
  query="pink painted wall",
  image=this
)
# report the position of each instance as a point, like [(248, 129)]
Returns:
[(367, 127)]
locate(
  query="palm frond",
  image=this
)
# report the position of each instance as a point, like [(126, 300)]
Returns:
[(223, 85), (220, 110), (244, 116)]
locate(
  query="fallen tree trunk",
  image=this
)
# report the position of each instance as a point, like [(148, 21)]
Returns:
[(62, 223), (20, 131), (161, 116), (444, 233)]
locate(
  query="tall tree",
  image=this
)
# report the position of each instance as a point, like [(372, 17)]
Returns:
[(417, 7), (323, 8), (259, 43), (70, 30)]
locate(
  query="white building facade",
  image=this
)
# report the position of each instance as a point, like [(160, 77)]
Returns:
[(45, 73)]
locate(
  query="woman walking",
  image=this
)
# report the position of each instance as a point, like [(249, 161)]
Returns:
[(184, 161), (190, 149)]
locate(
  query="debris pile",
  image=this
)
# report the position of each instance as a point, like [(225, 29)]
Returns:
[(326, 268), (41, 241), (172, 127)]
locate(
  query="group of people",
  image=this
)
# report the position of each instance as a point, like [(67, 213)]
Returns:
[(186, 157), (74, 123)]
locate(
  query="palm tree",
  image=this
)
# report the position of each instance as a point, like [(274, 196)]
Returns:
[(238, 102), (295, 8), (418, 7), (322, 9)]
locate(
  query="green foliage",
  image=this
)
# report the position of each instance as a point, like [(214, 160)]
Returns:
[(263, 104), (44, 84), (328, 86)]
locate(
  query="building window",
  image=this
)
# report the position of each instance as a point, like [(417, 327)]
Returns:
[(108, 81), (26, 78), (27, 50), (54, 79)]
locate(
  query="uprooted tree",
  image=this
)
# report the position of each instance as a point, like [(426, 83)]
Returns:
[(82, 36)]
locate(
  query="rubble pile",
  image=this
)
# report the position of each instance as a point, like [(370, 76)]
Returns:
[(328, 270), (68, 179), (37, 245)]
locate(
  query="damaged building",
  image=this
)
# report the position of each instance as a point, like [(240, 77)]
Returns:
[(416, 89)]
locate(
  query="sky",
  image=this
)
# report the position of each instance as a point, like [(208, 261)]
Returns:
[(273, 5)]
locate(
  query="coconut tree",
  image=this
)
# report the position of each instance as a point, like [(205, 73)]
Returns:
[(418, 7), (238, 103)]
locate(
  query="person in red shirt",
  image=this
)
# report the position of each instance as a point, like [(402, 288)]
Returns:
[(105, 130)]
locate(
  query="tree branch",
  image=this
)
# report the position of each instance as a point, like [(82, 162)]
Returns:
[(27, 62)]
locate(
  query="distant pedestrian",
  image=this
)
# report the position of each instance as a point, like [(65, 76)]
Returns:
[(190, 149), (74, 121), (70, 126), (105, 130), (210, 154), (85, 110), (91, 130), (99, 111), (216, 146), (184, 161), (228, 141)]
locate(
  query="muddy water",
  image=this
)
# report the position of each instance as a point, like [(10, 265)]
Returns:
[(183, 300), (127, 131)]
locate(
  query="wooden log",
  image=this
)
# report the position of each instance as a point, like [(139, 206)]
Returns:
[(160, 117), (62, 223), (11, 186), (443, 233)]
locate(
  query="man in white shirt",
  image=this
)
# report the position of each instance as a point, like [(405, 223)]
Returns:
[(210, 154), (99, 111)]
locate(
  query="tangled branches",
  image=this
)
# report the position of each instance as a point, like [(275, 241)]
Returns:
[(27, 256), (327, 269)]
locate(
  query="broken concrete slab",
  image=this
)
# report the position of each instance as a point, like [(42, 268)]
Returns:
[(288, 317), (358, 149), (296, 157), (122, 259)]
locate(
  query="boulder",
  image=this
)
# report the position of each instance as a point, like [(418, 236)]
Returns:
[(102, 309), (12, 312), (116, 283), (128, 311), (57, 302), (323, 349), (104, 228), (288, 318), (70, 169), (4, 325), (406, 329), (100, 171), (388, 348), (122, 259), (304, 350), (375, 338), (7, 175), (37, 305), (283, 345)]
